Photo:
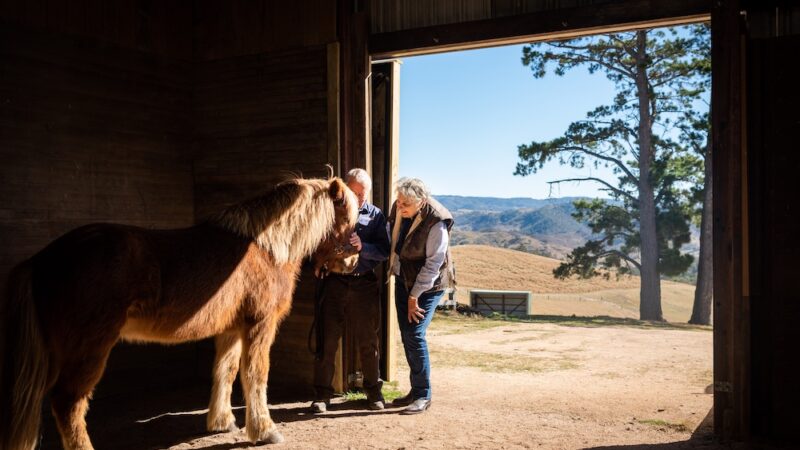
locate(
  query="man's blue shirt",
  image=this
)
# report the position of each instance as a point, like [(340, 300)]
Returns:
[(375, 242)]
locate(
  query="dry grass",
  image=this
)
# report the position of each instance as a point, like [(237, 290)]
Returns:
[(498, 363), (446, 322), (484, 267), (663, 425)]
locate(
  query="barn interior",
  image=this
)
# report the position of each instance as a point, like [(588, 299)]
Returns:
[(159, 113)]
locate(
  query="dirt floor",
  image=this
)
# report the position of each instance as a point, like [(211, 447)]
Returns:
[(555, 384)]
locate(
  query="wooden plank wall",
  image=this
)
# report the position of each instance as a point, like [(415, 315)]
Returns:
[(135, 111), (731, 310), (248, 27), (262, 115), (94, 126), (772, 117), (260, 119), (395, 15), (161, 28), (434, 27), (90, 132)]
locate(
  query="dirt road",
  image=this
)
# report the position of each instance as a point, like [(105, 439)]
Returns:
[(502, 385)]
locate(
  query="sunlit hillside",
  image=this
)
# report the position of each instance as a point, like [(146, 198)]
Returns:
[(484, 267)]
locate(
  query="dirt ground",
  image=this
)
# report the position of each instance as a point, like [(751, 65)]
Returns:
[(496, 385)]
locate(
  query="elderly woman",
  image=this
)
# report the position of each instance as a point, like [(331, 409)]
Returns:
[(421, 263)]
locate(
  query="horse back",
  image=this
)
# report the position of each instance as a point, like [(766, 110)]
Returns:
[(91, 274)]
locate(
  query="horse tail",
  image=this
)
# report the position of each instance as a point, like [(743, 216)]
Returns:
[(23, 364)]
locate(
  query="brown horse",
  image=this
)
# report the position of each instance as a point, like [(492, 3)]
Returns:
[(232, 277)]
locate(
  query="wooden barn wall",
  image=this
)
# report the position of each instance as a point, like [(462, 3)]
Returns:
[(161, 28), (108, 107), (773, 159), (396, 15), (247, 27), (90, 132), (95, 108), (259, 120), (261, 88)]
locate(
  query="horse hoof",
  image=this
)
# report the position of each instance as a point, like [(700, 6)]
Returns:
[(264, 434), (224, 425), (274, 437)]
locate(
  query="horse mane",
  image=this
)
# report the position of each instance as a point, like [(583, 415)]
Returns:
[(289, 222)]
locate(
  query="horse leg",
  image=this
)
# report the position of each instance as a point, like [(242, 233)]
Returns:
[(70, 398), (226, 366), (255, 370)]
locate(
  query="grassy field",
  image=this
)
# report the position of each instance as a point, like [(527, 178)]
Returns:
[(484, 267)]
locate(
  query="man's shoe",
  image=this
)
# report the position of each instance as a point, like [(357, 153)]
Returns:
[(418, 406), (319, 406), (404, 400), (375, 406), (375, 401)]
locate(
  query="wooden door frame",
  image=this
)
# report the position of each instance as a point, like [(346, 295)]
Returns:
[(731, 313), (731, 265)]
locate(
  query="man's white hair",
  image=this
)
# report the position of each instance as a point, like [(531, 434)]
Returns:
[(413, 189), (361, 177)]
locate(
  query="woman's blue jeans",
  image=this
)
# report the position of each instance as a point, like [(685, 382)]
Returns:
[(413, 335)]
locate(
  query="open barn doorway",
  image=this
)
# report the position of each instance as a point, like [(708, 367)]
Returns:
[(559, 311)]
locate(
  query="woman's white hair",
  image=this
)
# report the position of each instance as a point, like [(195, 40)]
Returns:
[(412, 188), (360, 176)]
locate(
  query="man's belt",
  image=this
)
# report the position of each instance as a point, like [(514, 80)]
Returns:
[(352, 274)]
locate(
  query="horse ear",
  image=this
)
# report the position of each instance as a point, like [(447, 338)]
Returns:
[(337, 190)]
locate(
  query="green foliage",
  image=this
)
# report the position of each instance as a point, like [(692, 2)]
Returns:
[(658, 120), (389, 391)]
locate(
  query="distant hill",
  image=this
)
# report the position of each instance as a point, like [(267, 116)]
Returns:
[(457, 203), (549, 219), (539, 226)]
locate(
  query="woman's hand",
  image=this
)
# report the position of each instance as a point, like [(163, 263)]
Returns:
[(415, 313)]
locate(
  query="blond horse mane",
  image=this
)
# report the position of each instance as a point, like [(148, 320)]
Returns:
[(286, 221)]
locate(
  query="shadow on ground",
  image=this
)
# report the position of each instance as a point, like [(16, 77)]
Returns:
[(160, 418), (702, 439)]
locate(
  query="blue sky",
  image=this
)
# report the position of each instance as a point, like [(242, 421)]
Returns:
[(463, 114)]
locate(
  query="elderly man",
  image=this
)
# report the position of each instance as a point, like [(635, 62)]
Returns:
[(353, 300)]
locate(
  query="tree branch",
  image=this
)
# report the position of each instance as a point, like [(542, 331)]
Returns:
[(572, 54), (598, 180), (621, 255), (616, 161)]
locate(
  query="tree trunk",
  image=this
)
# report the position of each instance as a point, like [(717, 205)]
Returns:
[(650, 291), (703, 292)]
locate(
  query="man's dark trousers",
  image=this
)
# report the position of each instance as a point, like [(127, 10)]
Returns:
[(353, 302)]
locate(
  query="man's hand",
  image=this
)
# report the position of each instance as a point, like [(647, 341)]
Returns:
[(355, 241), (415, 313)]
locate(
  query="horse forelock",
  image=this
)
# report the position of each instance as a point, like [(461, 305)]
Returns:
[(290, 221)]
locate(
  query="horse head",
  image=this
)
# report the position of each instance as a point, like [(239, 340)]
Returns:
[(335, 254)]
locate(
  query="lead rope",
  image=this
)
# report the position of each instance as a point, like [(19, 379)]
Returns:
[(317, 326)]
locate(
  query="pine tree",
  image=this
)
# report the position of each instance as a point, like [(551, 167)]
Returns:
[(658, 75)]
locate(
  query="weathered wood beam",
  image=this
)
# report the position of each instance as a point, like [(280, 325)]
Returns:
[(543, 25), (731, 308), (354, 67)]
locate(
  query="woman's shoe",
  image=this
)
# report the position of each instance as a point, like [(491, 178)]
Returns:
[(418, 406), (404, 400)]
